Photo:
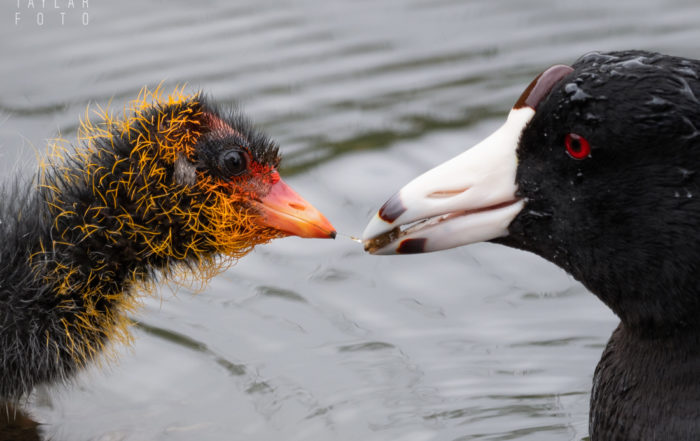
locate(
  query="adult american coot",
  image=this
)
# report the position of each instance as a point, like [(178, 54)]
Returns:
[(176, 183), (596, 169)]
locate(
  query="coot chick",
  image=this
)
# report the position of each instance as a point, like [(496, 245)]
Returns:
[(596, 169), (175, 183)]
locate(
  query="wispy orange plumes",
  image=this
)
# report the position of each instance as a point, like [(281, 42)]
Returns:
[(117, 191)]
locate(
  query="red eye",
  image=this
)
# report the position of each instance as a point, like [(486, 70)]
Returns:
[(577, 146)]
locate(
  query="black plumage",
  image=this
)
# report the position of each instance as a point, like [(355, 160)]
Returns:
[(597, 169), (626, 223)]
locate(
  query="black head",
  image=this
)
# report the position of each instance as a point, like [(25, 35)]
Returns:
[(596, 169), (199, 179), (608, 166)]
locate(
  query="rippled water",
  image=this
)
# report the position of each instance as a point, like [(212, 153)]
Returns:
[(314, 340)]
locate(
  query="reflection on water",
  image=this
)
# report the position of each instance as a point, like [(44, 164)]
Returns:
[(315, 340)]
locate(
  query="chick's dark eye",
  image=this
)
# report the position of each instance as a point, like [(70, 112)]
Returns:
[(233, 162), (577, 146)]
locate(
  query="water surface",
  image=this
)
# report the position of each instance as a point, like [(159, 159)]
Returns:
[(314, 340)]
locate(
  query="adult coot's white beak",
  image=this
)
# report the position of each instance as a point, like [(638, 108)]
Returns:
[(470, 198)]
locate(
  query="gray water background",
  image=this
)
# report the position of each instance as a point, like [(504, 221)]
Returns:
[(315, 340)]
